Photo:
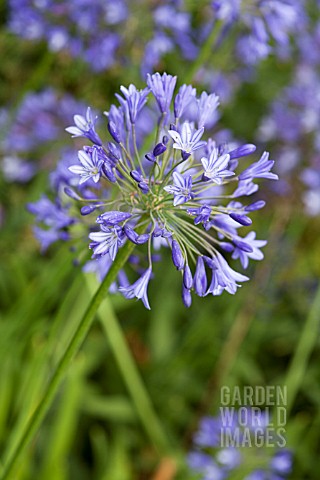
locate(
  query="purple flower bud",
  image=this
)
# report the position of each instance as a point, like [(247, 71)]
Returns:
[(143, 187), (157, 232), (185, 155), (177, 256), (186, 296), (139, 288), (107, 170), (88, 209), (184, 96), (113, 218), (187, 277), (173, 127), (209, 262), (159, 149), (200, 278), (161, 232), (143, 239), (150, 157), (72, 194), (136, 175), (255, 206), (260, 169), (131, 234), (113, 132), (245, 247), (241, 218), (227, 247), (134, 237), (204, 178), (162, 87), (114, 151), (242, 151), (165, 139)]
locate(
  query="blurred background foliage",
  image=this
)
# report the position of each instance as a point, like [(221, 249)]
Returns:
[(184, 356)]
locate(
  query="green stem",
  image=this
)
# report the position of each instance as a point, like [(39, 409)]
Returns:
[(133, 380), (303, 351), (73, 347)]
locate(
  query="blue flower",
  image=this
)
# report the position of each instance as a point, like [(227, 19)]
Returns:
[(202, 214), (134, 237), (55, 218), (181, 189), (244, 255), (215, 168), (242, 151), (223, 276), (200, 278), (177, 256), (134, 101), (108, 240), (187, 141), (245, 188), (207, 106), (51, 214), (139, 288), (15, 169), (90, 167), (184, 96), (85, 127), (162, 88), (116, 125), (260, 169), (47, 237)]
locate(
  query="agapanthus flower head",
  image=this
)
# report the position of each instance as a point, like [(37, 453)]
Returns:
[(152, 197)]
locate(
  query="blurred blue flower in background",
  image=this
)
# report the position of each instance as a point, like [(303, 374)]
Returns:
[(82, 27), (32, 130), (212, 459)]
